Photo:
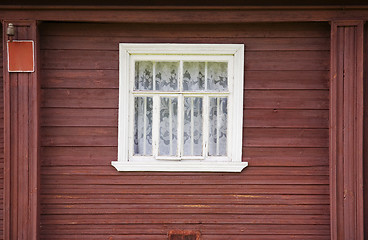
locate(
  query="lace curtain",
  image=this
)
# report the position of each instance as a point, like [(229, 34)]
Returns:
[(193, 80)]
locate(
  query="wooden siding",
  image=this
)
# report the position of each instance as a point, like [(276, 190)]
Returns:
[(1, 143), (220, 3), (283, 194), (365, 133), (346, 130)]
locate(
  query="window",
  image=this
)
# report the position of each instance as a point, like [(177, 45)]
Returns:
[(180, 107)]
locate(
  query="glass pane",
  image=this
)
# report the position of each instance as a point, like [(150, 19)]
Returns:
[(143, 126), (217, 76), (167, 76), (193, 76), (168, 126), (192, 126), (217, 139), (143, 76)]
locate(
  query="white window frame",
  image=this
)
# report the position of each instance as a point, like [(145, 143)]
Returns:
[(234, 53)]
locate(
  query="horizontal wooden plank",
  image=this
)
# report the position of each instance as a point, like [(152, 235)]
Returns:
[(79, 117), (98, 236), (252, 118), (79, 136), (102, 156), (82, 59), (184, 189), (287, 60), (107, 170), (286, 118), (269, 137), (164, 236), (286, 99), (188, 180), (221, 229), (108, 98), (270, 237), (79, 78), (253, 137), (252, 44), (182, 199), (61, 156), (264, 30), (80, 98), (60, 78), (183, 209), (258, 60), (184, 219), (268, 156), (286, 80)]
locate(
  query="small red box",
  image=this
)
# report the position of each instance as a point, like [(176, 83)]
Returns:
[(21, 56)]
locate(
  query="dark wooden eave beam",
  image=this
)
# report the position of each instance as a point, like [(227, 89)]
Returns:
[(183, 14), (173, 7)]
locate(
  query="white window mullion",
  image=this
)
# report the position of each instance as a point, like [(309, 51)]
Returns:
[(154, 76), (192, 126), (205, 120), (170, 126), (180, 125), (198, 107), (180, 76), (144, 124), (156, 124), (218, 127), (205, 76)]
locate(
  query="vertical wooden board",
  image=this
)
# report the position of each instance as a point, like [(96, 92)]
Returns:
[(365, 139), (21, 199), (360, 126), (346, 131), (349, 141), (2, 141), (340, 127)]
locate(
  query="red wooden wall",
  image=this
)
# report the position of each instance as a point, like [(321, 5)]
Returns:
[(283, 194)]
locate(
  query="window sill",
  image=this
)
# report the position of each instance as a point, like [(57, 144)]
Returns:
[(180, 166)]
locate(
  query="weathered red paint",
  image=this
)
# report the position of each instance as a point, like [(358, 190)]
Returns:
[(20, 56), (183, 235)]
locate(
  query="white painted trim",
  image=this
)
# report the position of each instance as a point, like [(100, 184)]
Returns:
[(190, 49), (180, 166), (180, 57), (123, 119), (231, 53), (237, 103)]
